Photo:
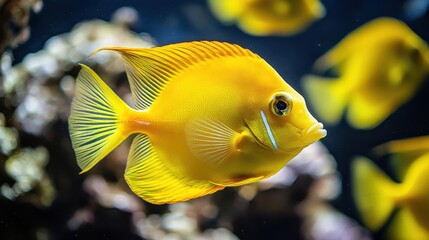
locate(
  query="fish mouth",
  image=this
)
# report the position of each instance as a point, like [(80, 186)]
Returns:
[(314, 132)]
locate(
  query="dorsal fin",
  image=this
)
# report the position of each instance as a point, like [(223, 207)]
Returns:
[(418, 144), (150, 69), (404, 152)]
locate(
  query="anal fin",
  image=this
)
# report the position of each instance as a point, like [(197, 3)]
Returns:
[(156, 180)]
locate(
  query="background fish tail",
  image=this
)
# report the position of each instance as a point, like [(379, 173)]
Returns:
[(373, 192), (95, 119), (327, 100)]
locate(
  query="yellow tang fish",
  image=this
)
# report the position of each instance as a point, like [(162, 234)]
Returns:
[(377, 196), (269, 17), (208, 115), (380, 66)]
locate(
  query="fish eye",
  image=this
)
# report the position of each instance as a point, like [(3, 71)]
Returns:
[(281, 104)]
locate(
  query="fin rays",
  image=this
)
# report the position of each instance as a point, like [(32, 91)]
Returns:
[(210, 140), (94, 121), (157, 181), (149, 70), (97, 119)]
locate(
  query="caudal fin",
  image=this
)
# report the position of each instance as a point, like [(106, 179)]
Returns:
[(325, 97), (373, 191), (95, 119), (405, 226)]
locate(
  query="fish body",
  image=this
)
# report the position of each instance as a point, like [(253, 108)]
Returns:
[(380, 66), (207, 115), (269, 17), (376, 196)]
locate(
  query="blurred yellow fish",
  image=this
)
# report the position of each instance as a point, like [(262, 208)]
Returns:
[(269, 17), (377, 196), (404, 154), (404, 151), (380, 66), (208, 115)]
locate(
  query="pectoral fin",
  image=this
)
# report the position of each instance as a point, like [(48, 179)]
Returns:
[(158, 181), (211, 141)]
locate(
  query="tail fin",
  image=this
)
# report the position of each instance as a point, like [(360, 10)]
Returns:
[(95, 119), (326, 99), (405, 226), (374, 193)]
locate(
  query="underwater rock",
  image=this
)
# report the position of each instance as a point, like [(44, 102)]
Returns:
[(111, 195), (315, 161), (8, 137), (327, 223), (26, 167), (181, 222), (43, 79), (36, 96), (14, 17)]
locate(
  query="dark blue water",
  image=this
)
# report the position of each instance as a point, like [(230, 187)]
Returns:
[(170, 21)]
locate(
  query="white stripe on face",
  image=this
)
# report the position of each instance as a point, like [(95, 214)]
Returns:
[(267, 127)]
